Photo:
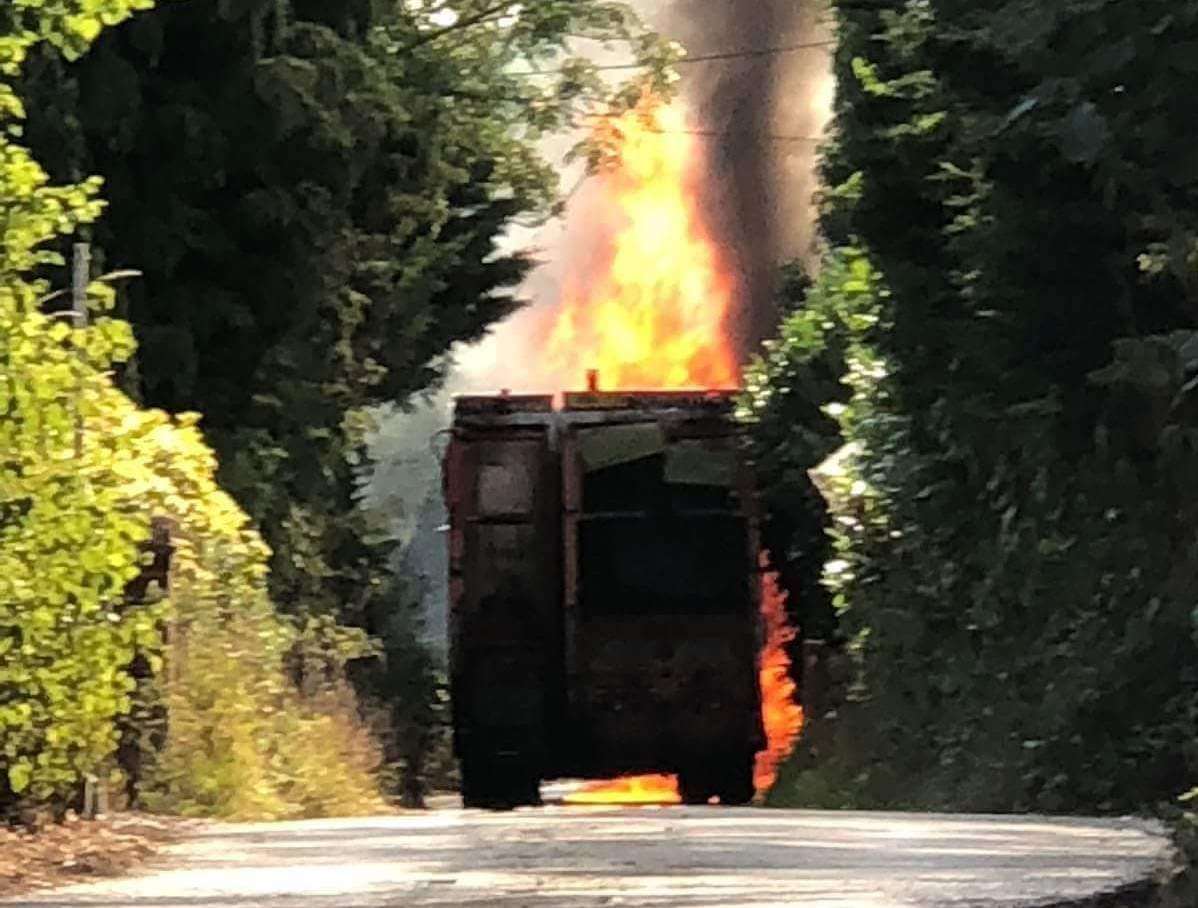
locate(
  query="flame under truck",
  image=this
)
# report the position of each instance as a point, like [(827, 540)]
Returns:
[(604, 587)]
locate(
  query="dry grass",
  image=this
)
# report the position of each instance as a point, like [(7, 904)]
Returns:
[(75, 850)]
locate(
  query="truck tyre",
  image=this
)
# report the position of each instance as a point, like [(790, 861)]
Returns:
[(730, 780), (490, 784), (695, 785), (736, 782)]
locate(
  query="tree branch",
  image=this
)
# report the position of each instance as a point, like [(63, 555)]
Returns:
[(461, 24)]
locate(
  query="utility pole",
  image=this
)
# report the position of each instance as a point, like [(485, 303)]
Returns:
[(95, 792), (80, 278)]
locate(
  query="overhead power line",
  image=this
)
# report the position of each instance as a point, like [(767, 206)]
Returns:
[(735, 135), (725, 134), (716, 133), (699, 58), (762, 52)]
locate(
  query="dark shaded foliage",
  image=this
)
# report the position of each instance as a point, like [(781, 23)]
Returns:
[(1016, 533)]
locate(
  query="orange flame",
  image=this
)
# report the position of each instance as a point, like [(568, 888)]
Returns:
[(655, 789), (781, 715), (653, 317)]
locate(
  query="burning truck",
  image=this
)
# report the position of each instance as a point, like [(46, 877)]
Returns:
[(611, 613), (605, 594)]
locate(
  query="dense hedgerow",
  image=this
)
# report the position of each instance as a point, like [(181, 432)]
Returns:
[(1013, 508)]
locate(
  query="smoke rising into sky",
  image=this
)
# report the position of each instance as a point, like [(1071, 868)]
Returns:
[(760, 159), (761, 115)]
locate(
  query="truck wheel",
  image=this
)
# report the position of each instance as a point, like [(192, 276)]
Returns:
[(695, 785), (731, 780), (736, 783), (498, 785)]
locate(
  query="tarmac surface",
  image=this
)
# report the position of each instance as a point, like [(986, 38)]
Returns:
[(586, 857)]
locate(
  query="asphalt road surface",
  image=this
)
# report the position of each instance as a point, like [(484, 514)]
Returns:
[(570, 857)]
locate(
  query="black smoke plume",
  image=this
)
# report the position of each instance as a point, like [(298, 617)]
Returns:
[(761, 108)]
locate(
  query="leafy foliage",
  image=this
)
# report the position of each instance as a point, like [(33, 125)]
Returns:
[(68, 535), (404, 491), (70, 26), (243, 742), (1014, 533), (83, 471), (786, 391)]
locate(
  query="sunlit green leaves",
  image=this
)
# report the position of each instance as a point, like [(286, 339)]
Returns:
[(69, 25), (83, 471), (20, 773)]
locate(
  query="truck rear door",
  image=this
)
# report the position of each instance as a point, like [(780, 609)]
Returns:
[(505, 632)]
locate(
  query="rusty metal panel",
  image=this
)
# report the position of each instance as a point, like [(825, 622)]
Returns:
[(502, 490), (507, 570), (649, 690), (657, 687), (502, 404), (505, 513), (508, 478), (714, 401), (452, 482), (505, 526), (572, 472)]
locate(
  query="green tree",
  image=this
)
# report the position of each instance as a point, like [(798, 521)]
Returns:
[(68, 540), (1014, 536), (84, 469), (786, 391)]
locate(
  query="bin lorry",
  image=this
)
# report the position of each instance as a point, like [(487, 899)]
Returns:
[(604, 593)]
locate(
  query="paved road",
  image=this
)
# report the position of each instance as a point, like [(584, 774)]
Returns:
[(559, 857)]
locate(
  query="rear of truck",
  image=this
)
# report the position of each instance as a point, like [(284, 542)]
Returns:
[(505, 622), (605, 594)]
